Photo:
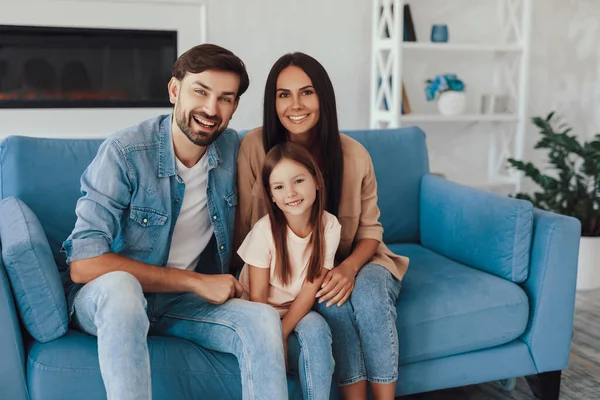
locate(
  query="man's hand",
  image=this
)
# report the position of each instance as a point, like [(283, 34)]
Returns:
[(216, 289), (337, 285)]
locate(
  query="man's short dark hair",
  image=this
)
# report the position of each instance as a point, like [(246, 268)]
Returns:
[(210, 56)]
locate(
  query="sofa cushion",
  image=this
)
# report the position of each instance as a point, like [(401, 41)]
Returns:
[(12, 367), (392, 151), (32, 166), (480, 229), (400, 161), (32, 272), (68, 368), (447, 308)]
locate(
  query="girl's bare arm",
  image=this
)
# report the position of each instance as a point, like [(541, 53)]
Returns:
[(259, 284), (302, 305)]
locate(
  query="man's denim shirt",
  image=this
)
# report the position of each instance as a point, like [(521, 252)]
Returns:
[(132, 196)]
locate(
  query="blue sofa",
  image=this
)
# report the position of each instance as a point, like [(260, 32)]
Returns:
[(489, 294)]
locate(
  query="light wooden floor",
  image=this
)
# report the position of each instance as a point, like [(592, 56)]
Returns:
[(580, 381)]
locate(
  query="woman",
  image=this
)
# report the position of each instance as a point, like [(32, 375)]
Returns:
[(358, 296)]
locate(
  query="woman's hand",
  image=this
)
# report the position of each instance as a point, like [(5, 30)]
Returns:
[(337, 285)]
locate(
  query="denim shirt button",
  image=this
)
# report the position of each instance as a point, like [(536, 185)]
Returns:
[(214, 217), (222, 247), (145, 221), (176, 200)]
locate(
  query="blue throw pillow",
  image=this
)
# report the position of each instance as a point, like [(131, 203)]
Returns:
[(32, 272)]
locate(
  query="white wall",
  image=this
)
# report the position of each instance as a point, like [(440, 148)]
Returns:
[(335, 32), (564, 73), (565, 68)]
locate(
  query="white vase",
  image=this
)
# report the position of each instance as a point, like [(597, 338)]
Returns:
[(588, 266), (452, 103)]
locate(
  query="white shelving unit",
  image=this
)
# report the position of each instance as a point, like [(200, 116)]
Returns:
[(464, 118), (460, 47), (387, 57)]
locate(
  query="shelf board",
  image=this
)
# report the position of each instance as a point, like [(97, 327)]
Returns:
[(461, 47), (459, 118)]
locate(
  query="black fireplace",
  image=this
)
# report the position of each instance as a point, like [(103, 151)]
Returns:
[(45, 67)]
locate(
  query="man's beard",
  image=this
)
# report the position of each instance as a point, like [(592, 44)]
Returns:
[(198, 138)]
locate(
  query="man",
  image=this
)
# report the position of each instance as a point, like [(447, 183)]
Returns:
[(153, 237)]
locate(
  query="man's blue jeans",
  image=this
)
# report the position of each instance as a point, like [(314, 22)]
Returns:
[(114, 308)]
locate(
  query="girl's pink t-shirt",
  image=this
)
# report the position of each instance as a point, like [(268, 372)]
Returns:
[(258, 250)]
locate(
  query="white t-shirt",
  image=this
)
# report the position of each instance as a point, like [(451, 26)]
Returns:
[(193, 229), (258, 250)]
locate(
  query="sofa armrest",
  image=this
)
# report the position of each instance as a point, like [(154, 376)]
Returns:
[(479, 229), (12, 368), (551, 289)]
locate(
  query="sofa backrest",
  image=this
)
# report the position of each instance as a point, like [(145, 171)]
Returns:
[(45, 174), (400, 160)]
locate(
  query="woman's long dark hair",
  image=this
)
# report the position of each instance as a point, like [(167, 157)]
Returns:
[(327, 134), (316, 243)]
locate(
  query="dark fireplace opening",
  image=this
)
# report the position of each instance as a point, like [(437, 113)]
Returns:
[(47, 67)]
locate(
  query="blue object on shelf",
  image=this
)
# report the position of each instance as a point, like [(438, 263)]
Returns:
[(439, 33)]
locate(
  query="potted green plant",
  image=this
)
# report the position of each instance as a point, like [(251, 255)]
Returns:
[(572, 188)]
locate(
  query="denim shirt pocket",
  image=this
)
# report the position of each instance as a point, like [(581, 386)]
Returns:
[(231, 199), (145, 227)]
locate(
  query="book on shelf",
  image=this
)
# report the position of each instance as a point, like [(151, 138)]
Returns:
[(409, 28), (405, 103)]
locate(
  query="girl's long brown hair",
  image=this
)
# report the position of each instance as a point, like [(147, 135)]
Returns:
[(316, 244)]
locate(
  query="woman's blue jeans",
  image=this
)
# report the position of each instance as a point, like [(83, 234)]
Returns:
[(365, 339)]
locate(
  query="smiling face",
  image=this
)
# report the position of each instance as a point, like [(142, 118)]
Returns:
[(296, 103), (293, 188), (204, 103)]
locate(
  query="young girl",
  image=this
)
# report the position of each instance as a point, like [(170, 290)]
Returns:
[(288, 252)]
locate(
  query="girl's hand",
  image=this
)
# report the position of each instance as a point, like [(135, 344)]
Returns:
[(337, 285)]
